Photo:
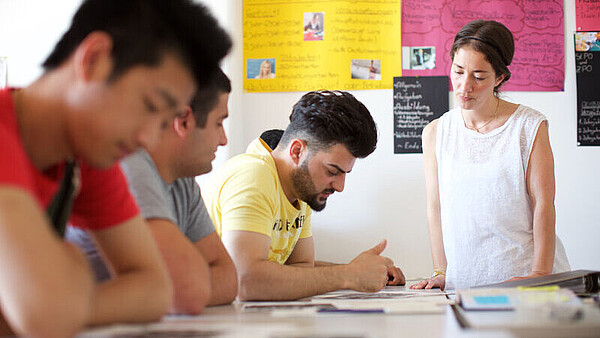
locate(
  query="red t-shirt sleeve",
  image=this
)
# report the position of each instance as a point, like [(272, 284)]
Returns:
[(14, 165), (104, 199)]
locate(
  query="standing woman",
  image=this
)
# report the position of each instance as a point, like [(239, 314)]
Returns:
[(489, 174)]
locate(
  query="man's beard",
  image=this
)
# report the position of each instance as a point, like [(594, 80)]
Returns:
[(305, 188)]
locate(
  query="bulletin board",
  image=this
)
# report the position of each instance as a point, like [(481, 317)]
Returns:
[(429, 27), (308, 45), (587, 15)]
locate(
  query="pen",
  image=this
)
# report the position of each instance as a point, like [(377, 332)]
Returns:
[(358, 311)]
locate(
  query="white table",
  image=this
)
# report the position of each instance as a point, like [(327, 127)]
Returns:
[(233, 321)]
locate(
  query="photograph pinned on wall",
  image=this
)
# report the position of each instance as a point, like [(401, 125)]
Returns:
[(418, 57), (313, 26), (365, 69), (3, 72), (587, 41), (260, 68)]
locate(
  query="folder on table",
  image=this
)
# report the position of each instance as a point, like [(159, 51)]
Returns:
[(579, 281)]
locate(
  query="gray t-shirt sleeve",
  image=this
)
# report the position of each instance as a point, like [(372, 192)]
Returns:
[(180, 202), (192, 215), (148, 188), (84, 241)]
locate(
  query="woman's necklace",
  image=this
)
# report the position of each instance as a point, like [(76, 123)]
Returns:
[(483, 125)]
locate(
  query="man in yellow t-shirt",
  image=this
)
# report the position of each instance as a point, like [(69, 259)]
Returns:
[(261, 203)]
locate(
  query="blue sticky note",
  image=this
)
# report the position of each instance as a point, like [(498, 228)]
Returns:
[(492, 300)]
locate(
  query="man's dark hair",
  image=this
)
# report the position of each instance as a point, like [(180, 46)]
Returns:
[(272, 137), (206, 99), (144, 30), (326, 118)]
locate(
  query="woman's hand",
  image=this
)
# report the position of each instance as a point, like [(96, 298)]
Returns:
[(531, 275), (434, 282)]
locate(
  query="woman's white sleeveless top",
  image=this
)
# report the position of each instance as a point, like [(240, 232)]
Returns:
[(486, 216)]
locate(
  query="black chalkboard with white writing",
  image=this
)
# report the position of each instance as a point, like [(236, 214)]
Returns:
[(417, 101), (587, 66)]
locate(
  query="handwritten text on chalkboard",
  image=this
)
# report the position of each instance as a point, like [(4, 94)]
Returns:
[(587, 66), (417, 101)]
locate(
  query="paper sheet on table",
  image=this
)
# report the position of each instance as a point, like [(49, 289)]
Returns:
[(386, 293), (292, 305), (427, 305), (192, 328), (421, 306)]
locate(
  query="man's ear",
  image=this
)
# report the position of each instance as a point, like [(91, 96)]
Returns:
[(297, 150), (92, 57), (184, 122)]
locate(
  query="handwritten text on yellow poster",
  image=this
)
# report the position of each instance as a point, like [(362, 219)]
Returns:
[(309, 45)]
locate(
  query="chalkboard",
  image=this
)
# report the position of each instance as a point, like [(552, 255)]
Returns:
[(588, 98), (417, 101)]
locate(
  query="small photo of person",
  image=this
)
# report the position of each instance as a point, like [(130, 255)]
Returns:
[(422, 57), (313, 26), (260, 68), (365, 69), (587, 41)]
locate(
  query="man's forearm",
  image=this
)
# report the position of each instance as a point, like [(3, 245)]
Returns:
[(132, 297), (267, 280), (224, 284), (40, 274)]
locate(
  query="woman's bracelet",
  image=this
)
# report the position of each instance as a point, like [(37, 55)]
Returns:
[(438, 273)]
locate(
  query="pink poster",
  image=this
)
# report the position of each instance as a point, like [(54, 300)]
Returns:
[(587, 15), (428, 29)]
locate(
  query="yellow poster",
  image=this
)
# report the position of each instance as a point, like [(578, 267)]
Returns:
[(309, 45)]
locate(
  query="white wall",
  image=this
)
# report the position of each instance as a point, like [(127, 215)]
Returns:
[(29, 29), (385, 193)]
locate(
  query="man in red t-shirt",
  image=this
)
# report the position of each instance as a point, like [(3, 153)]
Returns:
[(120, 73)]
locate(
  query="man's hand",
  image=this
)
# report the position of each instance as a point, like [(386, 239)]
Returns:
[(395, 276), (369, 271)]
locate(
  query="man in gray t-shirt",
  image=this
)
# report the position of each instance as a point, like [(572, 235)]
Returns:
[(179, 202), (162, 181)]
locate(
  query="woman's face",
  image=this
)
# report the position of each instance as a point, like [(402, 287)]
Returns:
[(473, 78), (265, 68)]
